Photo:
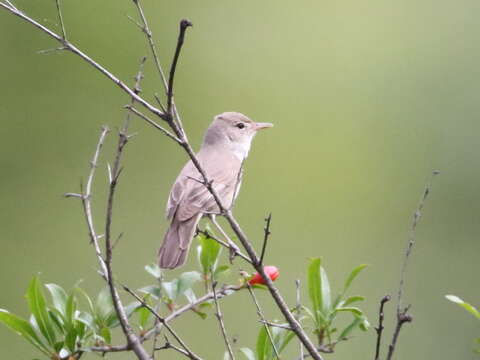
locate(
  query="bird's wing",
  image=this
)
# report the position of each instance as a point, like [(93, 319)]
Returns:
[(189, 197)]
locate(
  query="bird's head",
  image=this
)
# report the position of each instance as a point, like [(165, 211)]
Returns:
[(235, 129)]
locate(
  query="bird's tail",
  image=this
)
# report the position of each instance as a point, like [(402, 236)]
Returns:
[(176, 243)]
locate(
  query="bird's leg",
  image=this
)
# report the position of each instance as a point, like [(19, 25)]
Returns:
[(234, 250)]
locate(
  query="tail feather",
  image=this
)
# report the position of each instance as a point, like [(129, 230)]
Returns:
[(176, 243)]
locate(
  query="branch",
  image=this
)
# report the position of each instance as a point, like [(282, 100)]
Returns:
[(379, 328), (69, 46), (191, 355), (266, 324), (224, 244), (132, 339), (87, 204), (60, 18), (184, 24), (219, 316), (402, 313), (267, 232), (298, 308)]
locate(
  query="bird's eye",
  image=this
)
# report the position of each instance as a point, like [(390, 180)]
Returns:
[(240, 125)]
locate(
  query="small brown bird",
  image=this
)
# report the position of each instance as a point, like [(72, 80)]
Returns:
[(225, 147)]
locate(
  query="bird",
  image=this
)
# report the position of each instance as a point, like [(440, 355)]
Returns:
[(225, 146)]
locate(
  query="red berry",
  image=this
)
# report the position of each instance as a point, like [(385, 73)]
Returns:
[(271, 271)]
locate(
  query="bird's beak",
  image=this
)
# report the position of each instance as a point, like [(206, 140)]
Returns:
[(260, 126)]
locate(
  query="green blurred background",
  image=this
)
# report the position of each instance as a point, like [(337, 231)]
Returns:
[(367, 97)]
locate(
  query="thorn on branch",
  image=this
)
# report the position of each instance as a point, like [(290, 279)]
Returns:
[(267, 233)]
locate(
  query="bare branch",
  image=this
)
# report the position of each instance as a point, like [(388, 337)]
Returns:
[(184, 24), (60, 18), (169, 345), (153, 123), (267, 233), (87, 204), (263, 320), (132, 339), (298, 308), (380, 327), (219, 316), (402, 312), (191, 355)]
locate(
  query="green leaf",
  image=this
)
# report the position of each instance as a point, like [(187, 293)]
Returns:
[(153, 290), (70, 339), (105, 334), (351, 300), (59, 297), (353, 310), (314, 287), (354, 324), (70, 308), (171, 289), (87, 298), (143, 316), (319, 290), (222, 270), (23, 328), (38, 307), (208, 251), (248, 353), (352, 276), (186, 281), (154, 270), (103, 307), (326, 296), (262, 339), (470, 308)]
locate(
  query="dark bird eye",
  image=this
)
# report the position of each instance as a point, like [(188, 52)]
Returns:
[(240, 125)]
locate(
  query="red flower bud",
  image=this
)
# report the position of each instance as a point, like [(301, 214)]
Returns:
[(271, 271)]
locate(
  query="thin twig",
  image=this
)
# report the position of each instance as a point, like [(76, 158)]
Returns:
[(402, 312), (60, 18), (132, 339), (223, 243), (219, 316), (380, 327), (272, 324), (87, 204), (234, 250), (191, 354), (153, 123), (263, 320), (298, 308), (267, 233), (184, 24), (169, 345)]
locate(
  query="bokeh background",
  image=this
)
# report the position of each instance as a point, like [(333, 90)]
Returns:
[(367, 97)]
